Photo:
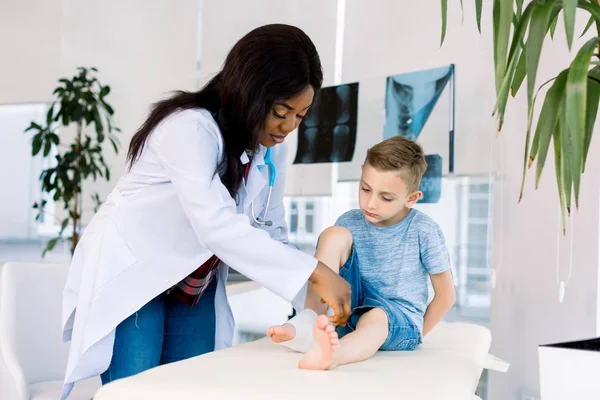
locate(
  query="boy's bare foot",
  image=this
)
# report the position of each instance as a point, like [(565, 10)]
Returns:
[(281, 333), (320, 356)]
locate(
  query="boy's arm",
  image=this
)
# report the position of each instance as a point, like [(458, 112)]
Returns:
[(442, 302)]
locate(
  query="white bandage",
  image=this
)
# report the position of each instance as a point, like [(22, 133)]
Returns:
[(304, 322)]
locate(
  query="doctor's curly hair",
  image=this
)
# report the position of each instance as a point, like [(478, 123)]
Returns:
[(270, 63)]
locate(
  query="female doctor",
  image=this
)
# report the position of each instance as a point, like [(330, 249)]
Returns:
[(146, 284)]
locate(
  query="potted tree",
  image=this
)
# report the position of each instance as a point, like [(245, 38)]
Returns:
[(80, 101), (566, 121)]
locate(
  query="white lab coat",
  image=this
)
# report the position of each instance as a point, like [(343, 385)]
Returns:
[(165, 218)]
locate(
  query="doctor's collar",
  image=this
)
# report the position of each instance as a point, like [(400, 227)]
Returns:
[(258, 155)]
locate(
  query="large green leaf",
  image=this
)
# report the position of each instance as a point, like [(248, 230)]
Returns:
[(521, 70), (526, 155), (107, 107), (547, 123), (567, 177), (535, 40), (36, 144), (558, 168), (50, 115), (64, 225), (553, 24), (576, 104), (98, 122), (114, 144), (104, 91), (593, 98), (66, 116), (31, 127), (590, 23), (502, 40), (590, 7), (519, 10), (444, 19), (495, 21), (570, 7), (47, 147), (50, 246), (513, 55), (519, 74), (478, 4)]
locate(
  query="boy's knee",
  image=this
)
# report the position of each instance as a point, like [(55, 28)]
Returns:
[(375, 317), (338, 236), (378, 314)]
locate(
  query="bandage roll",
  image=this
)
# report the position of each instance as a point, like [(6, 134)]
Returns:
[(304, 323)]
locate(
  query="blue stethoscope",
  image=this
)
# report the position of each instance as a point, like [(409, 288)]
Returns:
[(272, 175)]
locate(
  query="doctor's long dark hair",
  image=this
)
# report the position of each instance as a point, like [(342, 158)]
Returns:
[(273, 62)]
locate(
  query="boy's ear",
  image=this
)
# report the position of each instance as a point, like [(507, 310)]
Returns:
[(413, 198)]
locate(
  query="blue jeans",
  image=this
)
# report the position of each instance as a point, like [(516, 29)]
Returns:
[(163, 331)]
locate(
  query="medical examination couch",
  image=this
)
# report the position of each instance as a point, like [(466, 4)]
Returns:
[(446, 366)]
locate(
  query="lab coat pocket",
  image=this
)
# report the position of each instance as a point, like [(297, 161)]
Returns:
[(114, 255)]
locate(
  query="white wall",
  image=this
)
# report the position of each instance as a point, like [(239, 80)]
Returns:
[(226, 21), (30, 40), (142, 49)]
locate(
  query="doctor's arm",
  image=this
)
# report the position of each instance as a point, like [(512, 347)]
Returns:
[(189, 150)]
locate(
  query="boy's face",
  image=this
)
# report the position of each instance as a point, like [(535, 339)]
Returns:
[(384, 197)]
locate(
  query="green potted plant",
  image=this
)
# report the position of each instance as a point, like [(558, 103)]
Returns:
[(80, 101), (568, 113), (566, 121)]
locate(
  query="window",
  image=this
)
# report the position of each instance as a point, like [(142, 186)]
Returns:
[(20, 172), (474, 227), (293, 217), (306, 218), (309, 217)]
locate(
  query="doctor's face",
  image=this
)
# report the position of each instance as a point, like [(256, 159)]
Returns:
[(285, 116)]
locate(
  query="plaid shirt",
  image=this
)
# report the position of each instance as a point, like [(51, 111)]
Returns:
[(190, 289)]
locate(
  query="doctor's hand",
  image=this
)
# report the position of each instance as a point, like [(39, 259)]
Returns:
[(334, 290)]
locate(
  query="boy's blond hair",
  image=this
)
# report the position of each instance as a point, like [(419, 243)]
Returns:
[(399, 154)]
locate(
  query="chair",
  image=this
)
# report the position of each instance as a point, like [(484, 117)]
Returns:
[(31, 349)]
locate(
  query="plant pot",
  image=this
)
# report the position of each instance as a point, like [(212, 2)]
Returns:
[(570, 370)]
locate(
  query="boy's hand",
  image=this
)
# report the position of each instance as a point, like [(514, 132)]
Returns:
[(281, 333)]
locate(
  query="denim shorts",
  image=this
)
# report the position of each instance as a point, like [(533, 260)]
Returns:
[(403, 334)]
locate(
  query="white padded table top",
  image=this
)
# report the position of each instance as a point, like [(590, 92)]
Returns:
[(447, 366)]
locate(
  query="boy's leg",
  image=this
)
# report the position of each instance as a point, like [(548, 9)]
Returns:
[(370, 334), (334, 249)]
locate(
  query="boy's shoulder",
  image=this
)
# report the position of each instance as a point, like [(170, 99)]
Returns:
[(423, 223), (350, 218)]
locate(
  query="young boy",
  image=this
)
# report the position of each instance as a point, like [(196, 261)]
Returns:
[(385, 250)]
